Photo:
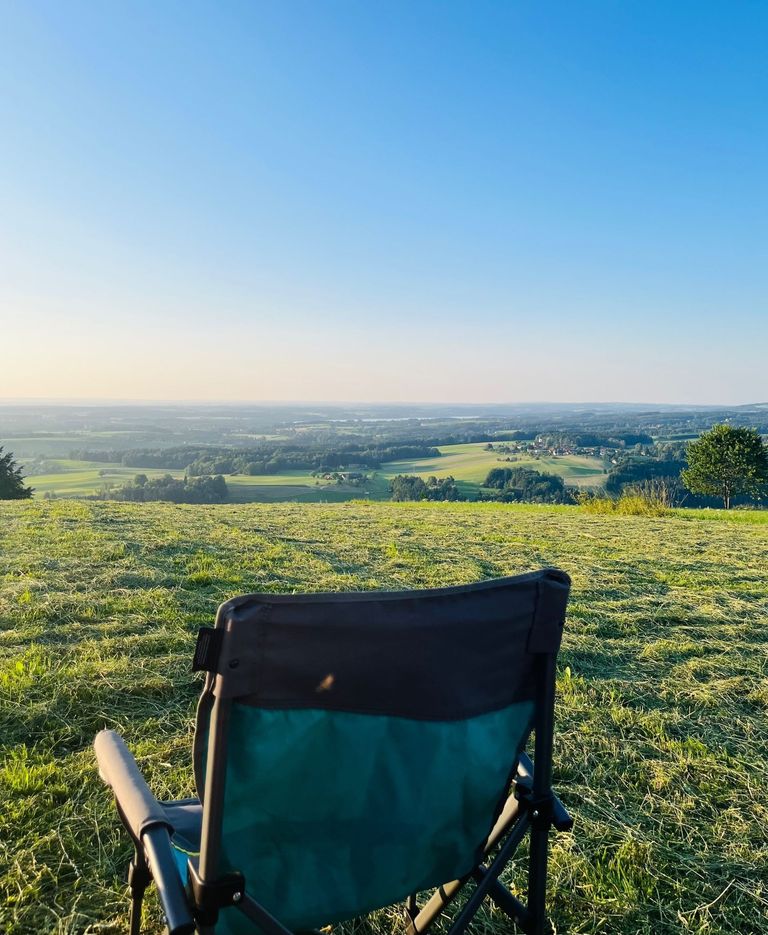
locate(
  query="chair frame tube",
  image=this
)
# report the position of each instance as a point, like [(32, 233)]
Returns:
[(213, 803), (542, 795)]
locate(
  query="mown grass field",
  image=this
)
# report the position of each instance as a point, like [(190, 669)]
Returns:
[(469, 464), (662, 750)]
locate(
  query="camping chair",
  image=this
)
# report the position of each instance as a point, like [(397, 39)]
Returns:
[(352, 751)]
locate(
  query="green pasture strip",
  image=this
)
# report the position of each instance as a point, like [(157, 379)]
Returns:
[(83, 478), (83, 481), (472, 462), (752, 517), (290, 493), (300, 486), (287, 478), (662, 746)]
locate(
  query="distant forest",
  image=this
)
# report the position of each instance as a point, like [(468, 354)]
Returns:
[(268, 458), (188, 490), (524, 485)]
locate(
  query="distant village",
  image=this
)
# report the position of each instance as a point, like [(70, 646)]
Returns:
[(540, 446)]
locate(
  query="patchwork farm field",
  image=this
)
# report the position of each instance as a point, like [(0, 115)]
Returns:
[(468, 464), (662, 749), (84, 479)]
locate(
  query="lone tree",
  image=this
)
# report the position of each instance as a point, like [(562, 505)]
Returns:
[(726, 462), (11, 480)]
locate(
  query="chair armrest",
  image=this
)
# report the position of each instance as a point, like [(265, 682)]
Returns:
[(117, 767), (148, 824), (165, 873)]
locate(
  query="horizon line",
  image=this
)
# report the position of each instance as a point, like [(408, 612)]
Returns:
[(11, 401)]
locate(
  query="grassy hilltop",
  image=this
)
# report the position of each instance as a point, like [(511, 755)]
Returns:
[(663, 690)]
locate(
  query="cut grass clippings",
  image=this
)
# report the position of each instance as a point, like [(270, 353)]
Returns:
[(662, 745)]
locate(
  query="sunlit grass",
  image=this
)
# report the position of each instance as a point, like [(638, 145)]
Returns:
[(662, 745)]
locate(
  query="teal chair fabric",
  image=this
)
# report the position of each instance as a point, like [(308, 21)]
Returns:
[(333, 814)]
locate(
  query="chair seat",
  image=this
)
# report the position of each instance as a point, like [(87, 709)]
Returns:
[(185, 817)]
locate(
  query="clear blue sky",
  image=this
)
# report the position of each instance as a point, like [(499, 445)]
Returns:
[(413, 200)]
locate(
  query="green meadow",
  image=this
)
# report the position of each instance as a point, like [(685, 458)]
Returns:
[(468, 464), (662, 747), (83, 479)]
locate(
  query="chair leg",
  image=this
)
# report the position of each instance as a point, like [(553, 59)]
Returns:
[(489, 875), (138, 880), (537, 879), (505, 900)]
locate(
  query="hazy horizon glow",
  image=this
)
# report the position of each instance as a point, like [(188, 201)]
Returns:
[(434, 202)]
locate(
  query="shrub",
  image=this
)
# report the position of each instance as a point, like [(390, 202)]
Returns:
[(644, 500)]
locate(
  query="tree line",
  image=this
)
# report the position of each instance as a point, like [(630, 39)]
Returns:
[(506, 485), (594, 439), (411, 487), (526, 485), (262, 459), (172, 489)]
